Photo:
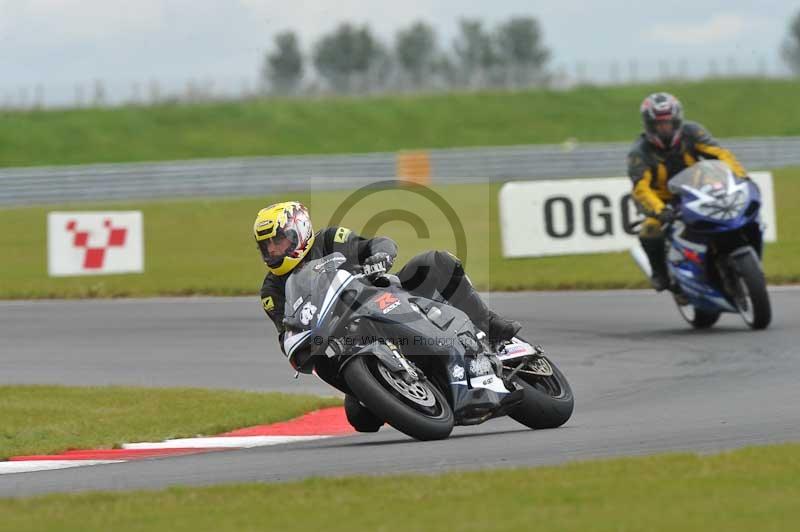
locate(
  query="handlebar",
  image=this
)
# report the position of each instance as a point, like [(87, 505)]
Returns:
[(633, 226)]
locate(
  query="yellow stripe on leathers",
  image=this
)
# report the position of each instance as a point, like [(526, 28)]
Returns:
[(661, 178), (726, 156), (341, 235), (644, 194), (652, 198)]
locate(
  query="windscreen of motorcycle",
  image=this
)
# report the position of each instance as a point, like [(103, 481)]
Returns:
[(312, 286), (710, 189)]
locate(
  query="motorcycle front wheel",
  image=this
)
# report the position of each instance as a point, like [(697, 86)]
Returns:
[(418, 409), (752, 299), (697, 318)]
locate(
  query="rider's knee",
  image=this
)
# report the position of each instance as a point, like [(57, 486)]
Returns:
[(432, 271), (437, 261), (447, 261)]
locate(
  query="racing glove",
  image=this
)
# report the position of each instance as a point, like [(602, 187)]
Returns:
[(378, 264), (668, 214)]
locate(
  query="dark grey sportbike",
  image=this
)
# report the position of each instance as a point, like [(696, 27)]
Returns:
[(418, 364)]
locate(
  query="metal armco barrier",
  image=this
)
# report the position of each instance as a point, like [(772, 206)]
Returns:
[(265, 175)]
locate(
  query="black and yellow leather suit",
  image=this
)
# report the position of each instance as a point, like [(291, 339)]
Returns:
[(650, 169)]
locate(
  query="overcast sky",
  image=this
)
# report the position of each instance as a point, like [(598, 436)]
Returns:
[(58, 43)]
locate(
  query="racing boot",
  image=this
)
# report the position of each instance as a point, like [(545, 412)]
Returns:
[(654, 247), (501, 329)]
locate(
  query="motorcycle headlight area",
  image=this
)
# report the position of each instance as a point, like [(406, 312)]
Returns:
[(725, 207)]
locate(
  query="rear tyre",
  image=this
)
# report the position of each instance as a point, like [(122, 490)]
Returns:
[(548, 401), (752, 299), (419, 410), (697, 318)]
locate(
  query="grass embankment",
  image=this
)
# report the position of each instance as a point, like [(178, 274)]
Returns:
[(338, 125), (205, 246), (48, 419), (749, 489)]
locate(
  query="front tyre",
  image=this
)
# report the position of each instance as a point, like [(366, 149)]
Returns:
[(419, 410), (752, 299), (697, 318), (548, 401)]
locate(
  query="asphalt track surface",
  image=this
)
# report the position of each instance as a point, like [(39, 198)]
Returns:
[(644, 383)]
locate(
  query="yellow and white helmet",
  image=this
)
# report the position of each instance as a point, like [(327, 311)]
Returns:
[(284, 235)]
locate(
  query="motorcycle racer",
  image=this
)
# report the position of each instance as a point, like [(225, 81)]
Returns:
[(285, 238), (667, 145)]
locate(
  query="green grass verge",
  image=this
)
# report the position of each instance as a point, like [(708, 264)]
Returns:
[(205, 246), (751, 489), (278, 127), (48, 419)]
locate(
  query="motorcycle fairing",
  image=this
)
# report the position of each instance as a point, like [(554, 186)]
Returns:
[(420, 327), (687, 263), (716, 208)]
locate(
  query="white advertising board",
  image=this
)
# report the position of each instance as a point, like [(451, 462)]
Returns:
[(94, 243), (576, 216)]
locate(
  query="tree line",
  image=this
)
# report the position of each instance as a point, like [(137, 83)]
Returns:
[(352, 59), (791, 45)]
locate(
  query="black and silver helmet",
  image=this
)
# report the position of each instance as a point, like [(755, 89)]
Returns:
[(657, 110)]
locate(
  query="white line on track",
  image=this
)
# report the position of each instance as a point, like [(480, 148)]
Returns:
[(26, 466), (233, 442)]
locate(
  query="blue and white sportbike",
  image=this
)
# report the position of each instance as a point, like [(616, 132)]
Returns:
[(714, 247)]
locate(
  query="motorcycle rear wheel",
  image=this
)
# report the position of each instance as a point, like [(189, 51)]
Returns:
[(419, 410)]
